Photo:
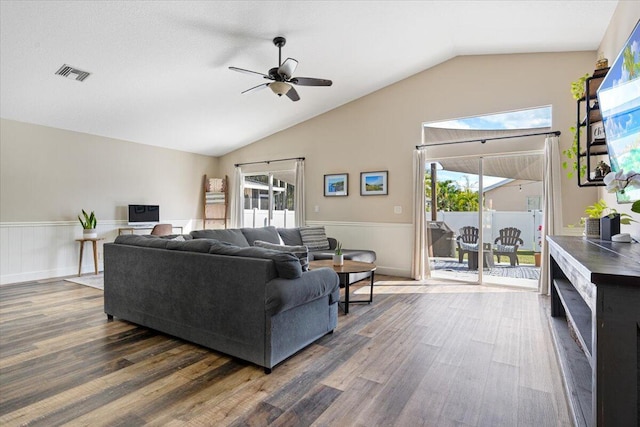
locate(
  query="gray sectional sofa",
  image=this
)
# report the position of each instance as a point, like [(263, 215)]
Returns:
[(214, 288), (251, 303)]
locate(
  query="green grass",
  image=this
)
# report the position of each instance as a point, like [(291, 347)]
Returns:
[(524, 257)]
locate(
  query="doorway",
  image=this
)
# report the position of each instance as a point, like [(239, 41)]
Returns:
[(484, 218)]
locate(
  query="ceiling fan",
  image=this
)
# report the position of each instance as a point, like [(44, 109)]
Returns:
[(281, 76)]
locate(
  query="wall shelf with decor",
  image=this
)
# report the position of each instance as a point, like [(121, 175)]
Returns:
[(216, 196), (591, 146)]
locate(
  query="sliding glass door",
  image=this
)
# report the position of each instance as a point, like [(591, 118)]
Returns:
[(483, 218)]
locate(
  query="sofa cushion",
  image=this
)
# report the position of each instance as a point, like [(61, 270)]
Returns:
[(314, 238), (469, 246), (229, 235), (350, 254), (266, 234), (287, 265), (300, 252), (290, 236)]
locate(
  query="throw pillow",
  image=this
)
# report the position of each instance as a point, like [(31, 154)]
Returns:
[(314, 238), (300, 252), (290, 236), (266, 234), (505, 248), (469, 246)]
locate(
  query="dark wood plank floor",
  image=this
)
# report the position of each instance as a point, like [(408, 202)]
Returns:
[(435, 355)]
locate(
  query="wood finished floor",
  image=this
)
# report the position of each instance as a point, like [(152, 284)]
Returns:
[(439, 357)]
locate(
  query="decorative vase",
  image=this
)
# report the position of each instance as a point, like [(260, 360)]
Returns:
[(338, 260), (89, 233), (592, 227), (609, 226)]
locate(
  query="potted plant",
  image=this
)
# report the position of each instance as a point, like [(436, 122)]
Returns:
[(88, 222), (338, 257), (596, 212), (578, 87), (577, 91), (538, 247)]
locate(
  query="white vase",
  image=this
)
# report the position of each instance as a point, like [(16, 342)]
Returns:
[(89, 233), (338, 260)]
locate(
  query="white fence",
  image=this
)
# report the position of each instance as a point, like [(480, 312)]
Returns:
[(258, 218), (528, 222)]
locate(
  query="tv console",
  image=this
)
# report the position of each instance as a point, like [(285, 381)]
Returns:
[(595, 324)]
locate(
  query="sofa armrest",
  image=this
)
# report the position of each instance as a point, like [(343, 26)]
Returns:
[(284, 294)]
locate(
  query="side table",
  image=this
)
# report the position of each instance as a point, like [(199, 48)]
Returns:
[(348, 267), (94, 241)]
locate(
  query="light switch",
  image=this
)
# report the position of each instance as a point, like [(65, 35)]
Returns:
[(316, 208), (397, 209)]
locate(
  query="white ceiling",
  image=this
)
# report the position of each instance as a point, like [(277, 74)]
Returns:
[(160, 68)]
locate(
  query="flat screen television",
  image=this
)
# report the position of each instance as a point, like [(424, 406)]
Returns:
[(619, 101), (144, 215)]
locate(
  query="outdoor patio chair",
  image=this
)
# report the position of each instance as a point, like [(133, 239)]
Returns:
[(507, 244), (467, 241)]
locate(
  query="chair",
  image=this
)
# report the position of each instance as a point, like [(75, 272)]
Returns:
[(507, 244), (467, 241), (162, 230)]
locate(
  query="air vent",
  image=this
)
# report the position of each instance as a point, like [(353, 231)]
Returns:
[(72, 73)]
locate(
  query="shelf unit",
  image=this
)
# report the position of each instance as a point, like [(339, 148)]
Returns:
[(216, 196), (592, 145), (595, 325)]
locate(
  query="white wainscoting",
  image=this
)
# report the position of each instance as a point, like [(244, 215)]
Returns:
[(392, 242), (43, 250)]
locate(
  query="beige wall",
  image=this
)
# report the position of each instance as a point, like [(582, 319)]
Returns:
[(380, 131), (624, 20), (50, 174), (512, 196)]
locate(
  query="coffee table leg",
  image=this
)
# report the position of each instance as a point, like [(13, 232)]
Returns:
[(371, 295), (346, 293)]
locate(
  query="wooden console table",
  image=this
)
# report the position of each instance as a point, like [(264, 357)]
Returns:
[(595, 296)]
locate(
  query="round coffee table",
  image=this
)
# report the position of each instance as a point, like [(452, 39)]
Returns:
[(344, 270)]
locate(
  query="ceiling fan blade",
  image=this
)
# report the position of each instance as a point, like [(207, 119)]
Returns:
[(242, 70), (288, 67), (256, 88), (310, 81), (293, 94)]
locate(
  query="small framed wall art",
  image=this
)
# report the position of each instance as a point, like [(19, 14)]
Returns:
[(336, 185), (374, 183)]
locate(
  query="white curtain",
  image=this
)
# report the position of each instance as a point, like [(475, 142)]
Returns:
[(237, 199), (420, 269), (552, 205), (298, 202)]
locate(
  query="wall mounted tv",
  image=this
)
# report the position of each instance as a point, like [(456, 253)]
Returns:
[(144, 215), (619, 101)]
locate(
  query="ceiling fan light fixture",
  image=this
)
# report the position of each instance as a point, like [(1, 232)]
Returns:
[(280, 88)]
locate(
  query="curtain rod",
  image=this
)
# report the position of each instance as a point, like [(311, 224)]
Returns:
[(483, 140), (269, 161)]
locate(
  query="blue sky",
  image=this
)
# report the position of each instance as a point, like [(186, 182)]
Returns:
[(539, 117)]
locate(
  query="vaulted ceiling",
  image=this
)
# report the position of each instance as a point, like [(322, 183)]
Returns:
[(159, 69)]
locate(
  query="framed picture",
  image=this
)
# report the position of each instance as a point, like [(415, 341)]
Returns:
[(374, 183), (336, 185)]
